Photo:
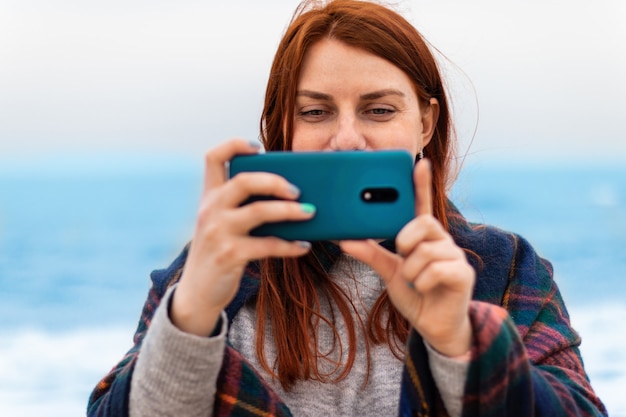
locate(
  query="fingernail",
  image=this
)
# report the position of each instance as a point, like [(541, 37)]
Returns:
[(293, 190), (304, 244), (254, 144), (307, 208)]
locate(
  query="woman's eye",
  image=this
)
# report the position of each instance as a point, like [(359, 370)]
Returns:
[(313, 115), (314, 112), (380, 111)]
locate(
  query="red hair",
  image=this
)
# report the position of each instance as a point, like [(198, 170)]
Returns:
[(289, 296)]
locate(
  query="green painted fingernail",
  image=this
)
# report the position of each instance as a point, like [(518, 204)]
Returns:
[(307, 208)]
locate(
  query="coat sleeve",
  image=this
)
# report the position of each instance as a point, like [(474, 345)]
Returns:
[(525, 356), (111, 395)]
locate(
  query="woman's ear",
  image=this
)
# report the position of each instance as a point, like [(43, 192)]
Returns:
[(430, 116)]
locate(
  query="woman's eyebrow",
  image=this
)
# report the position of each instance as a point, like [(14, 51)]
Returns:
[(382, 93), (368, 96), (314, 95)]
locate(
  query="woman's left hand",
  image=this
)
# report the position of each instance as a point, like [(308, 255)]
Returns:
[(429, 281)]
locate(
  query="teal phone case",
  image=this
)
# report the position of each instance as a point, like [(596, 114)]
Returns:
[(338, 183)]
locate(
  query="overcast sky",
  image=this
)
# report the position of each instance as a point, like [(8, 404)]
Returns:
[(76, 75)]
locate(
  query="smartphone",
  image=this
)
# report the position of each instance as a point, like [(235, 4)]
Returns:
[(357, 194)]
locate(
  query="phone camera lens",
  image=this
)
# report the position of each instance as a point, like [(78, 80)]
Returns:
[(379, 195)]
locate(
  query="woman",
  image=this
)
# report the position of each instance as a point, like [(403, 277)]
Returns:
[(451, 318)]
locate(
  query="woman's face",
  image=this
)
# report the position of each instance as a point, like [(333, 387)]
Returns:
[(349, 99)]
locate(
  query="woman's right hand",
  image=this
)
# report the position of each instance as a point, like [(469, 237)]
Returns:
[(221, 246)]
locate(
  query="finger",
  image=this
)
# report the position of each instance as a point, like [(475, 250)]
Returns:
[(246, 184), (453, 275), (384, 262), (264, 247), (423, 228), (426, 254), (215, 160), (422, 175), (254, 214)]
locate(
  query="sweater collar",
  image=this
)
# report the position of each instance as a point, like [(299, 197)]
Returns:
[(326, 252)]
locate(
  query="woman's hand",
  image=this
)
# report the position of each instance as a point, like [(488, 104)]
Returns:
[(429, 281), (221, 246)]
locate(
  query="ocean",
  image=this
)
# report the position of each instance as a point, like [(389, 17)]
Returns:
[(79, 236)]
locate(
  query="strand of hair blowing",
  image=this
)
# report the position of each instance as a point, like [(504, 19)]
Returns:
[(290, 288)]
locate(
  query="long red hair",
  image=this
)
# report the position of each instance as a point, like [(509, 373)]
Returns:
[(289, 295)]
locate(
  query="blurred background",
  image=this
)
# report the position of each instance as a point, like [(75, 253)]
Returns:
[(106, 110)]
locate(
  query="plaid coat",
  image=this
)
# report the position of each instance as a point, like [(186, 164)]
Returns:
[(524, 359)]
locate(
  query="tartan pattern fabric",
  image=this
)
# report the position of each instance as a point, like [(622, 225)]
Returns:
[(240, 394), (524, 361)]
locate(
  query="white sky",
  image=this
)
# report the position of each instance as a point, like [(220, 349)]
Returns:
[(164, 76)]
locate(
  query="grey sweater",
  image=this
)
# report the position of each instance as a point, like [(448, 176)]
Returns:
[(176, 373)]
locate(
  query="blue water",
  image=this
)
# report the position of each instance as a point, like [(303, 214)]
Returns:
[(574, 217), (77, 245), (78, 240)]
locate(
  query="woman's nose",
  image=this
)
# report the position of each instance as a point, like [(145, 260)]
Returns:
[(348, 135)]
